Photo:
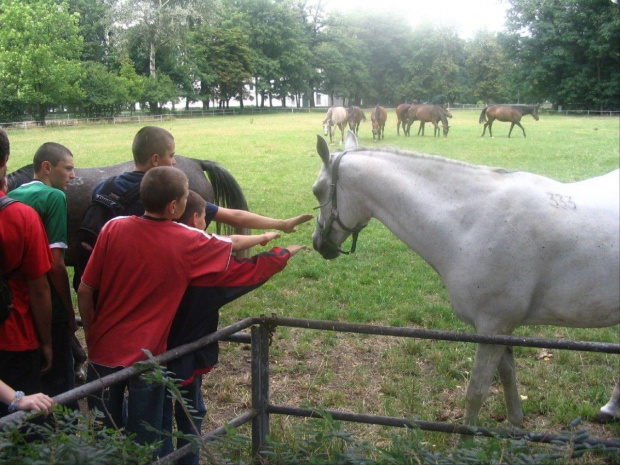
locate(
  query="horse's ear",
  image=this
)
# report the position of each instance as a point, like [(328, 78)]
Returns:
[(351, 141), (322, 149)]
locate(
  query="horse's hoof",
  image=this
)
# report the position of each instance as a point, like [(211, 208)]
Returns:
[(605, 418)]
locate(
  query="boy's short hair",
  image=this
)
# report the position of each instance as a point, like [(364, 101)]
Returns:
[(148, 141), (160, 186), (5, 147), (195, 204), (51, 152)]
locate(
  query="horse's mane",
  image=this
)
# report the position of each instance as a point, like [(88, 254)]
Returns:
[(19, 177), (425, 156)]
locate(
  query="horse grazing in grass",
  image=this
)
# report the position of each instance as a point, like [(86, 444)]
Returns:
[(428, 113), (446, 113), (401, 115), (222, 190), (512, 248), (506, 113), (378, 117), (356, 115), (336, 116)]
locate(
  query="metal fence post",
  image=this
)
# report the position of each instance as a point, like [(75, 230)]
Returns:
[(260, 387)]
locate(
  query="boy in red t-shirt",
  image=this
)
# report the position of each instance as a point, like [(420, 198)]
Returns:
[(141, 267), (25, 258)]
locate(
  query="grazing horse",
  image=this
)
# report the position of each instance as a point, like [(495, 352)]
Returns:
[(356, 115), (401, 115), (378, 117), (506, 113), (428, 113), (336, 116), (446, 112), (512, 248), (222, 190)]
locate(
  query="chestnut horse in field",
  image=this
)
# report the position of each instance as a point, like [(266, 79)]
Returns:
[(427, 113), (356, 115), (378, 117), (401, 115), (506, 113), (446, 112)]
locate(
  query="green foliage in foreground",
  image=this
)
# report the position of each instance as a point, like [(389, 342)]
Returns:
[(74, 439)]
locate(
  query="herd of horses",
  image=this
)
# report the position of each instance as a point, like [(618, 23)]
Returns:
[(407, 114)]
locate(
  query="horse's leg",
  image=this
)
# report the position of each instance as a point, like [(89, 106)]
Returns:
[(512, 125), (484, 129), (519, 124), (490, 123), (435, 128), (421, 128), (610, 411), (487, 359), (508, 377)]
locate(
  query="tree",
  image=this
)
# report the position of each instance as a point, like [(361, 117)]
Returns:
[(104, 92), (434, 64), (566, 51), (39, 55), (486, 67)]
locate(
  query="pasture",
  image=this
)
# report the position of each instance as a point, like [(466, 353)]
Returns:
[(274, 159)]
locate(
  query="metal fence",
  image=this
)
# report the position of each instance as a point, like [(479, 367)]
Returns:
[(262, 330)]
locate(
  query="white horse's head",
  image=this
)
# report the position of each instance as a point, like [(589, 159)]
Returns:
[(336, 220)]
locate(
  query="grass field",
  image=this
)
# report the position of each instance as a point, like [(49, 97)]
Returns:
[(274, 159)]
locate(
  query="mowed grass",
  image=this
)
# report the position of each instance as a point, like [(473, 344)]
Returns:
[(274, 159)]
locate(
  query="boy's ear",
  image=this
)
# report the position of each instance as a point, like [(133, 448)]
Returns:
[(192, 220), (46, 167), (154, 159)]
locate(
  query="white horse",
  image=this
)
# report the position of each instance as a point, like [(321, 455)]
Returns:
[(513, 248), (336, 116)]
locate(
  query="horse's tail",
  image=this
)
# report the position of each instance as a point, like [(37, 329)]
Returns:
[(19, 177), (227, 192), (377, 113), (483, 116), (363, 116)]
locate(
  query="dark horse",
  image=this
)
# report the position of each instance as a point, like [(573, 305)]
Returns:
[(223, 189), (378, 117), (356, 115), (506, 113), (427, 113), (401, 115)]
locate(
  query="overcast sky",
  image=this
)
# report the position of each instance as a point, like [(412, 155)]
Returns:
[(466, 15)]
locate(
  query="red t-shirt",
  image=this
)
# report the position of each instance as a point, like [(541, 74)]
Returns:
[(141, 267), (25, 254)]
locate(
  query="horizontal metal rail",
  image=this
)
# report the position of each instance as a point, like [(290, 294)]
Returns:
[(441, 427), (584, 346)]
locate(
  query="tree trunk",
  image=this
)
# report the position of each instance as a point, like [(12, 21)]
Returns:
[(152, 69)]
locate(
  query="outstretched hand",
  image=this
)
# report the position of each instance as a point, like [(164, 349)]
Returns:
[(269, 236), (290, 225), (293, 249)]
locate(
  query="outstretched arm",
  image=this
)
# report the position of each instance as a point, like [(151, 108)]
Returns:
[(32, 402), (245, 219), (241, 242)]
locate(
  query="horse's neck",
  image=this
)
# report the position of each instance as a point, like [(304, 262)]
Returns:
[(421, 199)]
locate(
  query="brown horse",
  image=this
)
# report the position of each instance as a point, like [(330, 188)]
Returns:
[(446, 112), (506, 113), (427, 113), (401, 114), (378, 117), (356, 115)]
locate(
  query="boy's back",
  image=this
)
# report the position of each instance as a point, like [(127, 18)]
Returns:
[(141, 267)]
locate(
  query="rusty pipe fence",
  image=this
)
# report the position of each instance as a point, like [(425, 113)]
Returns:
[(262, 329)]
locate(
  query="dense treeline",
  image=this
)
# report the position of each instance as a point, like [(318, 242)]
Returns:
[(100, 57)]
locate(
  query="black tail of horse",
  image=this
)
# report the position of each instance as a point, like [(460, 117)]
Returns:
[(483, 116), (227, 192), (377, 113)]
